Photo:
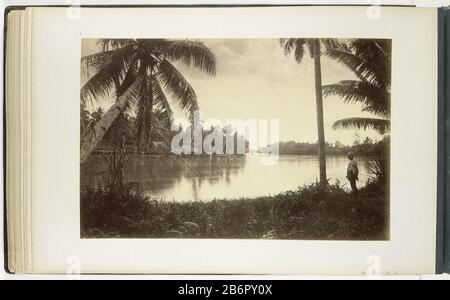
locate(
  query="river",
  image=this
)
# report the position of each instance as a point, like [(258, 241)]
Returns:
[(206, 178)]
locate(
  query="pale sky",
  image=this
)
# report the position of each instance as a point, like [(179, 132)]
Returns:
[(256, 80)]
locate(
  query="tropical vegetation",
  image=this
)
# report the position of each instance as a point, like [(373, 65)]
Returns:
[(142, 78), (310, 212), (364, 148), (141, 75), (370, 61)]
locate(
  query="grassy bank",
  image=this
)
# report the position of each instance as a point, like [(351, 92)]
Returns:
[(307, 213)]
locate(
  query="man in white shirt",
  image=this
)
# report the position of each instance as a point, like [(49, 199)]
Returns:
[(352, 174)]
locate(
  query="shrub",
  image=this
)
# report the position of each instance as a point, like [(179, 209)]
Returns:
[(378, 163), (310, 212)]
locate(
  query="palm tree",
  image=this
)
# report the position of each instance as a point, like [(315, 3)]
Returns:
[(370, 60), (139, 73), (297, 47)]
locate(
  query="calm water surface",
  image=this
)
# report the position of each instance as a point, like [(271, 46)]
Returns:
[(205, 178)]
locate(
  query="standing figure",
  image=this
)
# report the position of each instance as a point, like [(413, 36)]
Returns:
[(352, 175)]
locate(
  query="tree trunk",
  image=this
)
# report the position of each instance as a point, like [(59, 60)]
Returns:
[(148, 138), (319, 108), (94, 135), (144, 137)]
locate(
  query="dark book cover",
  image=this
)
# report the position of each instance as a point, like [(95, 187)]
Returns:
[(443, 205)]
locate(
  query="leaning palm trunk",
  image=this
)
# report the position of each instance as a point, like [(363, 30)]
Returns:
[(94, 135), (319, 108)]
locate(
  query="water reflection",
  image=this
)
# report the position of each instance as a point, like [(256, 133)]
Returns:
[(205, 178)]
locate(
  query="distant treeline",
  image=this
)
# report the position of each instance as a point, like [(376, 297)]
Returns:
[(365, 147), (124, 131)]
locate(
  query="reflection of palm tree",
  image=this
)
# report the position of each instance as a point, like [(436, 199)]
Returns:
[(195, 188), (163, 174), (140, 72), (370, 60), (297, 48)]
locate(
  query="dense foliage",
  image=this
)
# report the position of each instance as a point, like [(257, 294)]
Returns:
[(365, 147), (310, 212)]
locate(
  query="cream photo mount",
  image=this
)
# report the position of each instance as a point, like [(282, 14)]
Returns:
[(55, 85)]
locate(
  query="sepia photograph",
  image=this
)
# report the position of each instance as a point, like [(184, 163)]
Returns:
[(245, 140), (277, 139)]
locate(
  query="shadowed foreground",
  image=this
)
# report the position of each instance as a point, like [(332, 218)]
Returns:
[(306, 214)]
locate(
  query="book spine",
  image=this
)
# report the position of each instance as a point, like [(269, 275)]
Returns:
[(447, 145), (17, 141), (443, 193)]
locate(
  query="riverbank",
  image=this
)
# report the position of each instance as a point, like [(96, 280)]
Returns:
[(308, 213), (202, 179)]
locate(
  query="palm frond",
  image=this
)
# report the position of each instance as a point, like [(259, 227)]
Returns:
[(310, 44), (295, 46), (160, 129), (288, 45), (380, 125), (129, 78), (115, 44), (111, 70), (374, 98), (377, 52), (99, 86), (161, 103), (368, 59), (192, 53), (177, 86), (95, 62), (332, 43), (377, 110), (356, 64)]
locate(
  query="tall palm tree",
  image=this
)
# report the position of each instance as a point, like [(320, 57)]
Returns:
[(297, 47), (139, 73), (370, 60)]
